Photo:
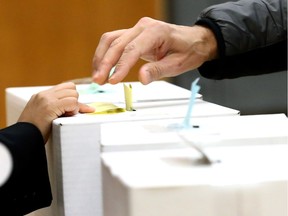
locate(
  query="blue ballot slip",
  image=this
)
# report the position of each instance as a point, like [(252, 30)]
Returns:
[(186, 122), (194, 91)]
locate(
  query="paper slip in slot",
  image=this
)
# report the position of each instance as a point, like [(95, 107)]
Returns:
[(128, 97)]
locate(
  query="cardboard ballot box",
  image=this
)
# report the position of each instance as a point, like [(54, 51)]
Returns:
[(203, 132), (74, 150), (243, 180)]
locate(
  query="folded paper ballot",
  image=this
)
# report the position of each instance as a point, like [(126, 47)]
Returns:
[(246, 181), (206, 131)]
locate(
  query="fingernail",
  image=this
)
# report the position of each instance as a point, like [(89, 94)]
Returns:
[(95, 74), (111, 80), (147, 77)]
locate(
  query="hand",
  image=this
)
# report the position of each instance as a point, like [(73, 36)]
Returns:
[(169, 49), (48, 105)]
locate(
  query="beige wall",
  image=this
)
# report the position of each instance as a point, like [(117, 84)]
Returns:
[(47, 42)]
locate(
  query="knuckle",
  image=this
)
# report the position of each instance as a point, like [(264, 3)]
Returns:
[(106, 63), (130, 47), (39, 96), (179, 64), (145, 20), (96, 59), (116, 42), (157, 72), (70, 104), (41, 99), (74, 104), (76, 94), (106, 37), (70, 85)]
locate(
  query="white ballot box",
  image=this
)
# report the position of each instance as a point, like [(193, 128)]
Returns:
[(77, 142), (243, 180), (74, 150), (205, 131)]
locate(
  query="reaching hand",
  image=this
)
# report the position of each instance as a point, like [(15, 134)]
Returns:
[(169, 49), (48, 105)]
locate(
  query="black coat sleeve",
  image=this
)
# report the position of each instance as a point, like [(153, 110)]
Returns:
[(251, 38), (28, 187)]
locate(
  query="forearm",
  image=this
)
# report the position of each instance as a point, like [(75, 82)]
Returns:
[(257, 62), (28, 187), (251, 38), (248, 25)]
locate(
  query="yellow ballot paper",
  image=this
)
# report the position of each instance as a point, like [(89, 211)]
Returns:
[(105, 108), (128, 97)]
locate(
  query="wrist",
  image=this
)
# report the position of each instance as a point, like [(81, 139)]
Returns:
[(42, 127), (208, 38)]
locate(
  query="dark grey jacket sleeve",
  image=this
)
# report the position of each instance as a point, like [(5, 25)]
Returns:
[(28, 187), (251, 37)]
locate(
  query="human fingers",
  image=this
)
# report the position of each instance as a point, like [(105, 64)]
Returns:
[(66, 106), (170, 66), (64, 85), (100, 76), (47, 105), (43, 106), (64, 91), (81, 108), (190, 48), (116, 48), (152, 44), (112, 55), (152, 71), (68, 89), (59, 91), (104, 44), (84, 108)]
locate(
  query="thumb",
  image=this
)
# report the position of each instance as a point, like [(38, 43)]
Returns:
[(84, 108), (150, 72), (169, 66)]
